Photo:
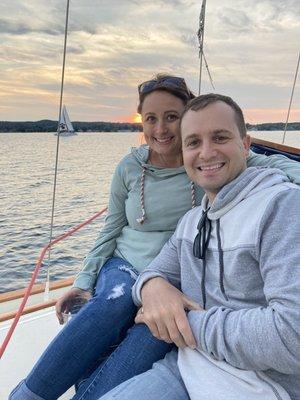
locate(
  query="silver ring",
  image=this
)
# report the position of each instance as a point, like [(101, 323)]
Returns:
[(141, 310)]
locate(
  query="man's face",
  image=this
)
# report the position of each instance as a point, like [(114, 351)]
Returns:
[(213, 151)]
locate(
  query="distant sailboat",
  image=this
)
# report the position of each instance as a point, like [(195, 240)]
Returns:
[(65, 127)]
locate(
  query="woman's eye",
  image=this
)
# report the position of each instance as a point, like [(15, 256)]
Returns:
[(172, 117), (150, 119)]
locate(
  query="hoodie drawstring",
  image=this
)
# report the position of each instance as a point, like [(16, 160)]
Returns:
[(141, 220), (199, 250), (200, 246), (221, 261), (193, 194)]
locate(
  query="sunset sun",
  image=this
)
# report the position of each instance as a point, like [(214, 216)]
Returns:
[(137, 118)]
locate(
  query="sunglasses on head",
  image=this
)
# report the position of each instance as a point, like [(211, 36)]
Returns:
[(172, 82)]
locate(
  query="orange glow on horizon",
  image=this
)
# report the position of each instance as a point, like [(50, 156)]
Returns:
[(131, 118), (252, 116), (260, 116), (137, 119)]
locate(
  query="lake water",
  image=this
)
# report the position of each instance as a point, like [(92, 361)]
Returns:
[(86, 164)]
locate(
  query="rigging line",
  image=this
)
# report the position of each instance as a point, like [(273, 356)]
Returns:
[(57, 144), (208, 71), (200, 35), (35, 274), (291, 99)]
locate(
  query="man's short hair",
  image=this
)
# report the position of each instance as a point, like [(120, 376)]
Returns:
[(204, 100)]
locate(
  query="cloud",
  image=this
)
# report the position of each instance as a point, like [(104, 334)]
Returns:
[(251, 48), (13, 28)]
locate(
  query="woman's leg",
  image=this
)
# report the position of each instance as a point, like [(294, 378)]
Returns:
[(135, 355), (102, 322)]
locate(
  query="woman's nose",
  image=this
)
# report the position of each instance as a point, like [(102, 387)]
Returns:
[(161, 127)]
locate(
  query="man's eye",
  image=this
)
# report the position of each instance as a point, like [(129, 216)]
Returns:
[(220, 139), (192, 143)]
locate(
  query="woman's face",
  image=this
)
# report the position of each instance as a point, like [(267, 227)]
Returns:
[(161, 113)]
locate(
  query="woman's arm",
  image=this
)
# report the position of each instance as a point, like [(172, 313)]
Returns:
[(290, 167), (106, 242)]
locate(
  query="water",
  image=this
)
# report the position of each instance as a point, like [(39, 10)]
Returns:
[(292, 137), (86, 164)]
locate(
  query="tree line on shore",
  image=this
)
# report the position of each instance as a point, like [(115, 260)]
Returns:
[(51, 126)]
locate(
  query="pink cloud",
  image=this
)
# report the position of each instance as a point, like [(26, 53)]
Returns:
[(256, 116)]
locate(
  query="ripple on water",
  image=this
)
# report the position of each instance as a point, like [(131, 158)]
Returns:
[(85, 169)]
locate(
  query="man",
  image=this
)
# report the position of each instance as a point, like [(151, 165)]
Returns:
[(238, 258)]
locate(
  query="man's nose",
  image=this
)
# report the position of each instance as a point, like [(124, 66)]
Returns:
[(208, 150)]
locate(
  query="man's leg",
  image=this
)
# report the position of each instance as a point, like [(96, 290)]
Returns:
[(102, 322), (162, 382), (135, 355)]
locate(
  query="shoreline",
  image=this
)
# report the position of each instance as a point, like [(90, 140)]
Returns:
[(102, 126)]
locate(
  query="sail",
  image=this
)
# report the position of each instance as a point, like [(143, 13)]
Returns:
[(65, 124)]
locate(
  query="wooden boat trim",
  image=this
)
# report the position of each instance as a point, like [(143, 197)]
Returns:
[(28, 310), (38, 288), (278, 146)]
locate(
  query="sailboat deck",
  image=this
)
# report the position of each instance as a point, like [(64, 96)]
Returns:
[(33, 333)]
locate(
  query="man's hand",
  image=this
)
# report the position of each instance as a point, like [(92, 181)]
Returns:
[(164, 313), (73, 297)]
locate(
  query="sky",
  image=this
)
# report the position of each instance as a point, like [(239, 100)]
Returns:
[(251, 47)]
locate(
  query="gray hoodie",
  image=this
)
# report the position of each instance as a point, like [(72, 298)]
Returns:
[(249, 280)]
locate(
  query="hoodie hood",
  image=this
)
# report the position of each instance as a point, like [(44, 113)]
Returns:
[(250, 181), (141, 154)]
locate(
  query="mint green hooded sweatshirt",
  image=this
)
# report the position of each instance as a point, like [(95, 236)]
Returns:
[(167, 197)]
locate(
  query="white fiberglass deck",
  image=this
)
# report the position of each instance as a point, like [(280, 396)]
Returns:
[(33, 333)]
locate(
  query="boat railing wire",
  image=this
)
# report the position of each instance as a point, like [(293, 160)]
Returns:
[(35, 274)]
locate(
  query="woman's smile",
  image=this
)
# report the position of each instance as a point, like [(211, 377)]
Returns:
[(164, 140)]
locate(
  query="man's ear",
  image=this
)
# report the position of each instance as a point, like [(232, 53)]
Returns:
[(247, 144)]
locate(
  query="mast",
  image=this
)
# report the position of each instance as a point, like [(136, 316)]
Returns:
[(200, 35), (291, 99)]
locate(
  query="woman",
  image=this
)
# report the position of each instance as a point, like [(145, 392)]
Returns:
[(150, 192)]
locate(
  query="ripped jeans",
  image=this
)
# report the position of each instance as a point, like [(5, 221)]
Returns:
[(90, 344)]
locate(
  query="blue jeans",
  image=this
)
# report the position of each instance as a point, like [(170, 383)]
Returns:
[(163, 382), (89, 336), (135, 355)]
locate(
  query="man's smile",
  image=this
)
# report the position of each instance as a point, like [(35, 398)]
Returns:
[(211, 167)]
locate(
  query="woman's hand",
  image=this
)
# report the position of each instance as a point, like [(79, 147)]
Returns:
[(70, 299), (164, 312)]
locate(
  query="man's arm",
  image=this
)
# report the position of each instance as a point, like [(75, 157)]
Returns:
[(264, 337), (164, 305)]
